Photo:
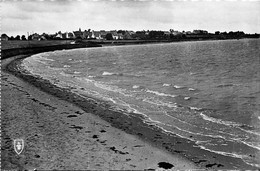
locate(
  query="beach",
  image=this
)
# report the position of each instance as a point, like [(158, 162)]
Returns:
[(130, 85), (63, 130), (60, 135)]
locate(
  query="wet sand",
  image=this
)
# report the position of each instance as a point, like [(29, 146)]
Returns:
[(65, 131)]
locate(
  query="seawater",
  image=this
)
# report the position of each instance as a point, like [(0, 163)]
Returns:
[(207, 92)]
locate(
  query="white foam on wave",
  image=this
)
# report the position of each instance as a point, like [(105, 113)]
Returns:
[(85, 79), (108, 87), (187, 98), (191, 89), (166, 85), (160, 103), (108, 73), (149, 121), (233, 124), (195, 108), (196, 133), (130, 109), (77, 72), (207, 135), (219, 121), (160, 94), (171, 132), (176, 86), (109, 99), (136, 86), (245, 158), (178, 119), (228, 123), (66, 66), (224, 153)]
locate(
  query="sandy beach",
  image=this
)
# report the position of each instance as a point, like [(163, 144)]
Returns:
[(60, 135)]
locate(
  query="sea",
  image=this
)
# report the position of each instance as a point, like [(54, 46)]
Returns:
[(205, 91)]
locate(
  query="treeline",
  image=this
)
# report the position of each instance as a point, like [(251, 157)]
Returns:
[(170, 35), (160, 35)]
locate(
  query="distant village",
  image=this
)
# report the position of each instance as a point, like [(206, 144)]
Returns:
[(170, 35)]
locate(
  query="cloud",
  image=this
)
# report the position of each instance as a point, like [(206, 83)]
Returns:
[(64, 15)]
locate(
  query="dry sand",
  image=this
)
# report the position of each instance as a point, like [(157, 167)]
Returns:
[(59, 135)]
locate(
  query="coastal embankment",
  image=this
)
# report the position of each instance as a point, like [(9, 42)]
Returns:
[(9, 52), (63, 131)]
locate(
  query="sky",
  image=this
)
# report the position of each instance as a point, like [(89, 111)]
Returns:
[(51, 16)]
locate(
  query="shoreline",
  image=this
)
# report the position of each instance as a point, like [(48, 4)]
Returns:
[(61, 136), (133, 125)]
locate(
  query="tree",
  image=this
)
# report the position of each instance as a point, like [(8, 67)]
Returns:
[(109, 36), (140, 34), (217, 32), (23, 37), (156, 34), (12, 38), (46, 36), (4, 35), (121, 31), (17, 37), (30, 37), (231, 33)]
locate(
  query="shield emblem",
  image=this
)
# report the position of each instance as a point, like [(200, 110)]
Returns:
[(18, 145)]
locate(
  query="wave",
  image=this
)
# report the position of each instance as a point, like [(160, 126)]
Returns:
[(160, 94), (166, 85), (108, 73), (245, 158), (107, 87), (191, 89), (225, 85), (195, 108), (160, 103), (219, 121), (112, 88), (136, 86), (229, 123), (255, 146), (202, 134), (66, 66), (187, 98), (129, 109), (177, 87), (105, 73)]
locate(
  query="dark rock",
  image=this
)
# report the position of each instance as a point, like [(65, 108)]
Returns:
[(165, 165), (214, 164), (95, 136), (71, 116)]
